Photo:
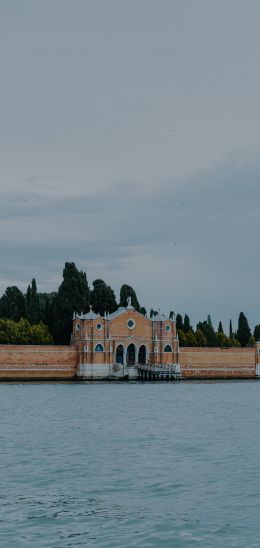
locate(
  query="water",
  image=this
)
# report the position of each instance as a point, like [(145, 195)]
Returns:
[(142, 465)]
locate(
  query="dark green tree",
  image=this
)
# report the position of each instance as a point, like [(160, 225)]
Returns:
[(220, 328), (153, 313), (12, 304), (186, 324), (209, 332), (142, 310), (179, 322), (128, 291), (46, 308), (103, 298), (257, 332), (32, 307), (73, 295), (243, 332), (230, 329)]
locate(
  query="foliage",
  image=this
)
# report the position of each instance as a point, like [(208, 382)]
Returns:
[(12, 304), (32, 303), (22, 332), (179, 322), (125, 292), (243, 333), (207, 329), (186, 324), (73, 295), (220, 328), (257, 332), (230, 329), (102, 298), (200, 338)]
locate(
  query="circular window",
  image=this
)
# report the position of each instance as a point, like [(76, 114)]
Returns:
[(130, 324), (99, 326), (167, 328)]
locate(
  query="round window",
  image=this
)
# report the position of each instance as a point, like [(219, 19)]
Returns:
[(99, 326), (167, 328), (131, 324)]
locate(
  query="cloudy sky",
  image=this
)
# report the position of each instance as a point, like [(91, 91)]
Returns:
[(129, 143)]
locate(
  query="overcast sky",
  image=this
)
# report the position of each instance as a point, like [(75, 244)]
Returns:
[(129, 143)]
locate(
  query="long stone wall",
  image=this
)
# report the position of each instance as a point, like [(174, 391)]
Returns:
[(37, 362), (218, 363), (61, 362)]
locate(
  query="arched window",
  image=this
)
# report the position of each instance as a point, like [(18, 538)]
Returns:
[(130, 355), (142, 355), (99, 348), (120, 354), (167, 348)]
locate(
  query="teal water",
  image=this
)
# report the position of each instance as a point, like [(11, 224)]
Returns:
[(145, 465)]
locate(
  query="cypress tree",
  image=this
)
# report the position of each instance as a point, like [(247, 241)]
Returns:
[(257, 332), (220, 328), (103, 297), (12, 304), (73, 295), (186, 324), (230, 329), (179, 322), (32, 304), (243, 332), (128, 291)]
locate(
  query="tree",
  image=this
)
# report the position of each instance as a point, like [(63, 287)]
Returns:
[(32, 303), (102, 298), (230, 329), (257, 332), (153, 313), (191, 339), (12, 304), (179, 322), (209, 332), (222, 340), (186, 324), (220, 328), (73, 295), (182, 338), (200, 338), (243, 332), (22, 332), (40, 334), (142, 310), (125, 292)]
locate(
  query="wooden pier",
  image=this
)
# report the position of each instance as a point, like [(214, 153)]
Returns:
[(159, 372)]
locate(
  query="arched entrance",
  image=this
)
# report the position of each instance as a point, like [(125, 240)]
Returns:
[(142, 355), (120, 354), (130, 356)]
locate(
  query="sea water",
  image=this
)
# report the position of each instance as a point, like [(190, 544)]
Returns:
[(144, 465)]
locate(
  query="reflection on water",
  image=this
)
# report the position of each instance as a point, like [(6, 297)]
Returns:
[(130, 464)]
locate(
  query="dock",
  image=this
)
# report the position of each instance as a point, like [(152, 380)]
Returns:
[(159, 372)]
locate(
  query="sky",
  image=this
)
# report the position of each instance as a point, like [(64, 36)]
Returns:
[(129, 144)]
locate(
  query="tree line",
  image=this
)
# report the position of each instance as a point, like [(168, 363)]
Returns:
[(45, 318)]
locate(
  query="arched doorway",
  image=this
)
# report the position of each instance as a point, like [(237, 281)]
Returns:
[(142, 355), (130, 356), (120, 354)]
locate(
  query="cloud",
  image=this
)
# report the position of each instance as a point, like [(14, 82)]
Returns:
[(198, 235)]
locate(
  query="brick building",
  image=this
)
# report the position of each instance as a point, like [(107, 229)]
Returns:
[(111, 345)]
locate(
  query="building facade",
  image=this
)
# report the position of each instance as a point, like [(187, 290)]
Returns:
[(112, 345)]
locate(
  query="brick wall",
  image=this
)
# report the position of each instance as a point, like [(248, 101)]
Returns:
[(217, 362), (37, 362)]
